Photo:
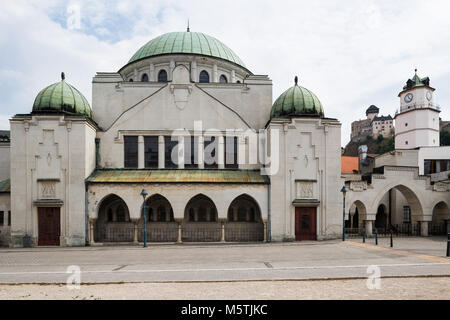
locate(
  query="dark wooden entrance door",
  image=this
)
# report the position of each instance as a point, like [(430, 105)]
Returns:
[(305, 224), (49, 226)]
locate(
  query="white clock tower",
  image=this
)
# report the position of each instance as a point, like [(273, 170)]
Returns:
[(417, 123)]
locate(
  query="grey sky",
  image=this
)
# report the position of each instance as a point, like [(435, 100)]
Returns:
[(350, 53)]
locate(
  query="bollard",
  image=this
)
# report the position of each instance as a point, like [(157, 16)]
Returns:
[(448, 245), (364, 235), (376, 236), (392, 241)]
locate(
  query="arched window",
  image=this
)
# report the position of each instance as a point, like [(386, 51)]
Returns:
[(162, 76), (144, 78), (191, 215), (223, 79), (161, 214), (121, 214), (150, 214), (202, 214), (242, 214), (204, 77), (110, 215), (131, 80), (239, 81)]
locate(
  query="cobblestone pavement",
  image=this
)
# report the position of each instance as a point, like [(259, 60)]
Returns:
[(429, 288)]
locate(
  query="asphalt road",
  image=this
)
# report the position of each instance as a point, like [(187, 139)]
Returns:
[(197, 263)]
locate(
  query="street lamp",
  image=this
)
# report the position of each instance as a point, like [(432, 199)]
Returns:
[(144, 194), (344, 191)]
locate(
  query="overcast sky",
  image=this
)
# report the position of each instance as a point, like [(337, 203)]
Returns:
[(351, 53)]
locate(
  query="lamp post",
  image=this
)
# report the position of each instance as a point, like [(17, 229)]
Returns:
[(344, 191), (144, 194)]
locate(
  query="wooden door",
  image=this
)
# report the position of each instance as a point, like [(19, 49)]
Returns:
[(305, 224), (49, 226)]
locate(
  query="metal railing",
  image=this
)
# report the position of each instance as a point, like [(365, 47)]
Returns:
[(437, 228), (244, 232), (201, 232), (190, 232), (159, 232)]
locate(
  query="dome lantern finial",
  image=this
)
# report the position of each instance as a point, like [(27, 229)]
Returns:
[(63, 76), (188, 29), (296, 80)]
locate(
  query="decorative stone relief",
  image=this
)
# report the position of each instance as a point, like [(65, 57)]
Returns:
[(358, 186), (180, 94), (305, 190), (48, 190)]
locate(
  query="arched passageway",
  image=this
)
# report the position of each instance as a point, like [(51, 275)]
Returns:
[(113, 223), (201, 222), (244, 221), (357, 210), (405, 215), (381, 221), (441, 216), (160, 222)]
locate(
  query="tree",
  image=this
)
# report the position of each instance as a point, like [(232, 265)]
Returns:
[(445, 138), (380, 138), (388, 146)]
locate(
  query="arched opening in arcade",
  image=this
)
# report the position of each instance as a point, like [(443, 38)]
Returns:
[(244, 221), (113, 223), (400, 209), (353, 223), (440, 219), (160, 222), (201, 222), (381, 219)]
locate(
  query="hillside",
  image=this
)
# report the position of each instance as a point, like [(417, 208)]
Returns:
[(375, 146)]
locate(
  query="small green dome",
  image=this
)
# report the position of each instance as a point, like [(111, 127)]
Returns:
[(61, 97), (187, 43), (297, 102)]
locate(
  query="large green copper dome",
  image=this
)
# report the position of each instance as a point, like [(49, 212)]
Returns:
[(61, 97), (297, 101), (187, 43)]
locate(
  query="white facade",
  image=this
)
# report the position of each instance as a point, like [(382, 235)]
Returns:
[(81, 167)]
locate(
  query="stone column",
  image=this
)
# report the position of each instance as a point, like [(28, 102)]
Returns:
[(194, 71), (265, 231), (215, 77), (201, 146), (424, 228), (161, 156), (233, 76), (221, 151), (91, 231), (136, 75), (180, 152), (171, 67), (180, 231), (448, 225), (152, 75), (241, 152), (368, 224), (135, 225), (141, 153), (222, 235)]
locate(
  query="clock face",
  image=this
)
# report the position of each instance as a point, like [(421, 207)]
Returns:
[(409, 97), (429, 95)]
